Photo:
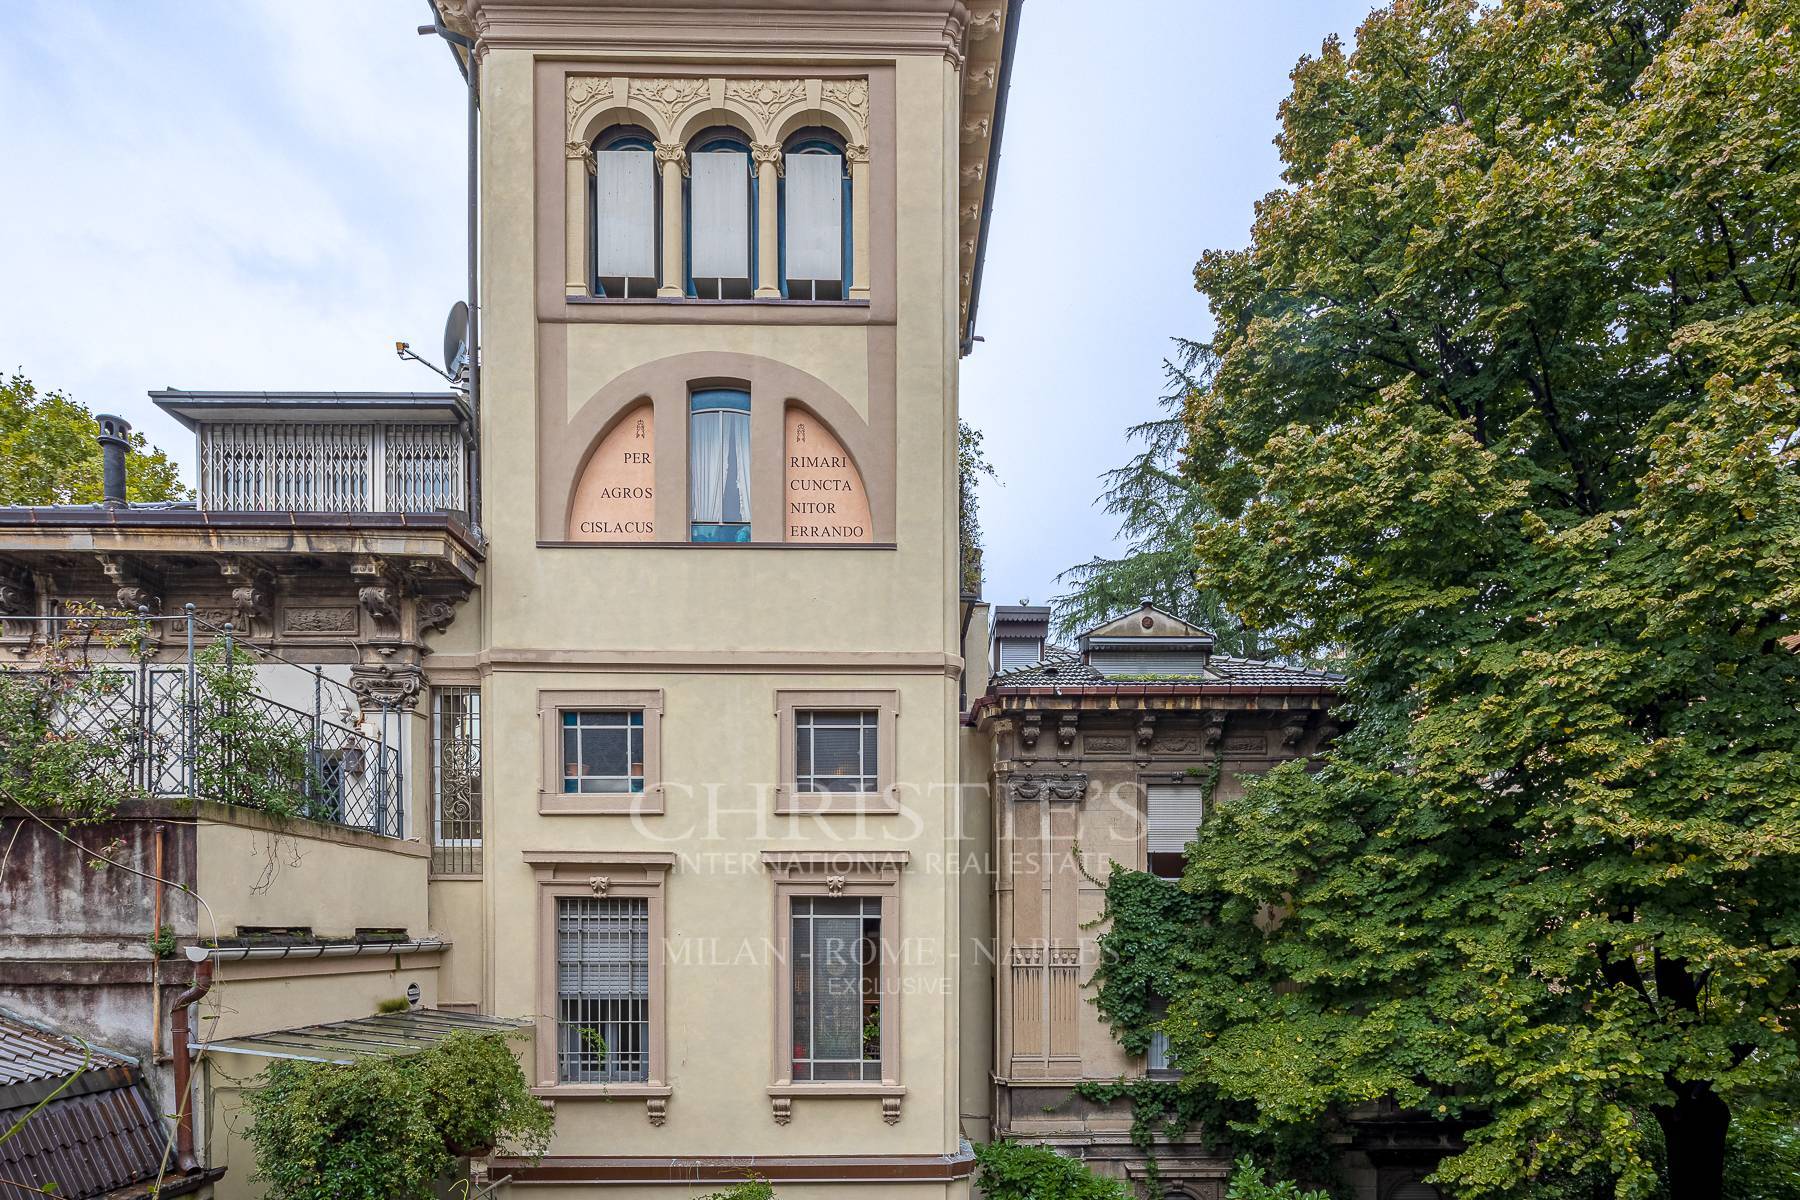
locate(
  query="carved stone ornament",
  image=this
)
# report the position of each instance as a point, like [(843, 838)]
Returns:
[(856, 152), (657, 1109), (334, 619), (852, 95), (1146, 730), (381, 603), (1211, 729), (1066, 728), (1070, 785), (975, 130), (135, 596), (16, 598), (1105, 744), (387, 687), (1293, 728), (599, 885), (584, 93), (985, 25), (782, 1108), (669, 98), (436, 613), (890, 1109), (834, 885), (250, 603), (1328, 731), (672, 152), (580, 150), (1031, 725), (765, 97), (972, 174), (980, 81)]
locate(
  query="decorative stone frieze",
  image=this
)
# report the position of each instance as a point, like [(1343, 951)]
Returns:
[(386, 686), (1069, 785)]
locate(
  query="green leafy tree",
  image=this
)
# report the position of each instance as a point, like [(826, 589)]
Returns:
[(1248, 1182), (48, 453), (1011, 1171), (1502, 404), (971, 466), (1159, 509)]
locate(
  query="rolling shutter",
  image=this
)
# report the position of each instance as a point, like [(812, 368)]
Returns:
[(720, 197), (815, 216), (625, 204), (1173, 815)]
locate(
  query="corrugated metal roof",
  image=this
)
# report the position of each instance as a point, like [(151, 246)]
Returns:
[(364, 1037), (29, 1053)]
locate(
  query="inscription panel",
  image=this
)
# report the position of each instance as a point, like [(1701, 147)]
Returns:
[(616, 499), (823, 499)]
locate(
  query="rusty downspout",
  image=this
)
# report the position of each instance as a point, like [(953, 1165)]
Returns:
[(156, 924), (184, 1089)]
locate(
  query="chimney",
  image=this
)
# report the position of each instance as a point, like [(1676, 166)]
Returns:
[(115, 434)]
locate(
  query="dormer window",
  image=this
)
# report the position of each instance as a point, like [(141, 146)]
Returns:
[(1147, 644)]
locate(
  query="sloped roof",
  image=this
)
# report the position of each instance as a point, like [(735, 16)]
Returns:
[(1061, 667), (1146, 621), (29, 1053)]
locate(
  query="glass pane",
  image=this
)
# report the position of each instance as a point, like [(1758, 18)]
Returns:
[(837, 751), (837, 974)]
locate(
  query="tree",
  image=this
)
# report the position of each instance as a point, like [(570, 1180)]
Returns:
[(48, 454), (971, 465), (1012, 1171), (1502, 404), (1158, 510)]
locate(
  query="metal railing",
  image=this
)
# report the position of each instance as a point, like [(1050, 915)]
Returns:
[(319, 466), (201, 727)]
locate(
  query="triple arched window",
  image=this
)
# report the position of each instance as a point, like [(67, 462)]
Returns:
[(756, 221)]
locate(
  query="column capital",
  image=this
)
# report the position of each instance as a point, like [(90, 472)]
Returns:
[(856, 152), (765, 152), (579, 152), (672, 152)]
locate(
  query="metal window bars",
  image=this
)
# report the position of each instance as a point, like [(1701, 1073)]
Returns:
[(456, 780), (202, 726), (602, 989), (331, 467)]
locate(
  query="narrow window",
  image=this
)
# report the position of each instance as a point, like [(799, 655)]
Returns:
[(1156, 1058), (815, 198), (835, 751), (624, 201), (456, 780), (602, 989), (1172, 817), (719, 466), (836, 973), (721, 216), (603, 751)]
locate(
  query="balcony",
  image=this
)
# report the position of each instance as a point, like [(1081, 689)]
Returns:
[(178, 710), (326, 452)]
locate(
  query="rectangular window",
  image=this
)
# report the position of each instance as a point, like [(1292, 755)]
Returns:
[(835, 943), (456, 780), (836, 751), (813, 225), (602, 989), (1172, 813), (603, 751), (719, 223), (719, 466), (625, 221), (1156, 1059)]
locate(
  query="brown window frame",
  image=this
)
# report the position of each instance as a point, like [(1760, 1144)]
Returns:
[(552, 800), (885, 798)]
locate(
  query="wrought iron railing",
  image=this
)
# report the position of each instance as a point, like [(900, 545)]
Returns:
[(201, 727)]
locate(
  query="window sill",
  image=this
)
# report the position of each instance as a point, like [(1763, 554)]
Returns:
[(783, 1095), (654, 1095), (714, 547), (647, 803), (790, 802), (753, 302)]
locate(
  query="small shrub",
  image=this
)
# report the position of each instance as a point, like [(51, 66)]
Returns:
[(750, 1189), (1010, 1171), (388, 1128), (1248, 1183), (393, 1004)]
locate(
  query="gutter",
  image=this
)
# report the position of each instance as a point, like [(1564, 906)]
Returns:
[(1116, 690), (325, 950), (1014, 10)]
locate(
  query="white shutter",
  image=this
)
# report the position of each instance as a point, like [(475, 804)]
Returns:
[(719, 194), (1019, 652), (815, 216), (625, 213), (1173, 815), (1141, 662)]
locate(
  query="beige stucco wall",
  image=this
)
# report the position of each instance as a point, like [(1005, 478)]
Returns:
[(718, 630)]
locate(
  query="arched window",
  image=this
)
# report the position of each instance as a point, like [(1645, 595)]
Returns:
[(721, 216), (624, 207), (719, 466), (815, 217)]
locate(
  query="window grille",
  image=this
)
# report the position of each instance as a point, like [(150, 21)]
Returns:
[(330, 467), (602, 989), (836, 973), (603, 751), (835, 751), (456, 780)]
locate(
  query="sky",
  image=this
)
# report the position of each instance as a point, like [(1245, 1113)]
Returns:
[(240, 194)]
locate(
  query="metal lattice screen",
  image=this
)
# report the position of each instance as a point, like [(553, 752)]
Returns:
[(602, 989), (456, 780)]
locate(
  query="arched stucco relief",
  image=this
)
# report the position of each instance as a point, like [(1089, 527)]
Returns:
[(823, 492), (614, 499), (665, 383)]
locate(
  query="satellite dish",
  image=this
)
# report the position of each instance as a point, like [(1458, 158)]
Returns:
[(456, 339)]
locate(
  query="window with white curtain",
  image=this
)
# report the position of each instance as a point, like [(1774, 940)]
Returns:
[(721, 217), (719, 466), (624, 205), (815, 201)]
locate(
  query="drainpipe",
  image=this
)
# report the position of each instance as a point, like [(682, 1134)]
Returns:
[(178, 1034)]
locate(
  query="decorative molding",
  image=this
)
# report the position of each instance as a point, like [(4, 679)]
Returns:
[(1066, 727), (980, 81), (765, 97), (332, 619), (134, 596), (584, 93), (1070, 785), (599, 885), (834, 885), (768, 152), (852, 95), (890, 1109), (657, 1109), (782, 1109), (1293, 728), (436, 612), (581, 151), (986, 25), (856, 152), (1212, 729), (1146, 730), (1031, 725), (972, 174), (670, 98), (1106, 744), (382, 603), (974, 131)]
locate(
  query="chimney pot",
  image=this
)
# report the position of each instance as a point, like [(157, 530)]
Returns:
[(115, 440)]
